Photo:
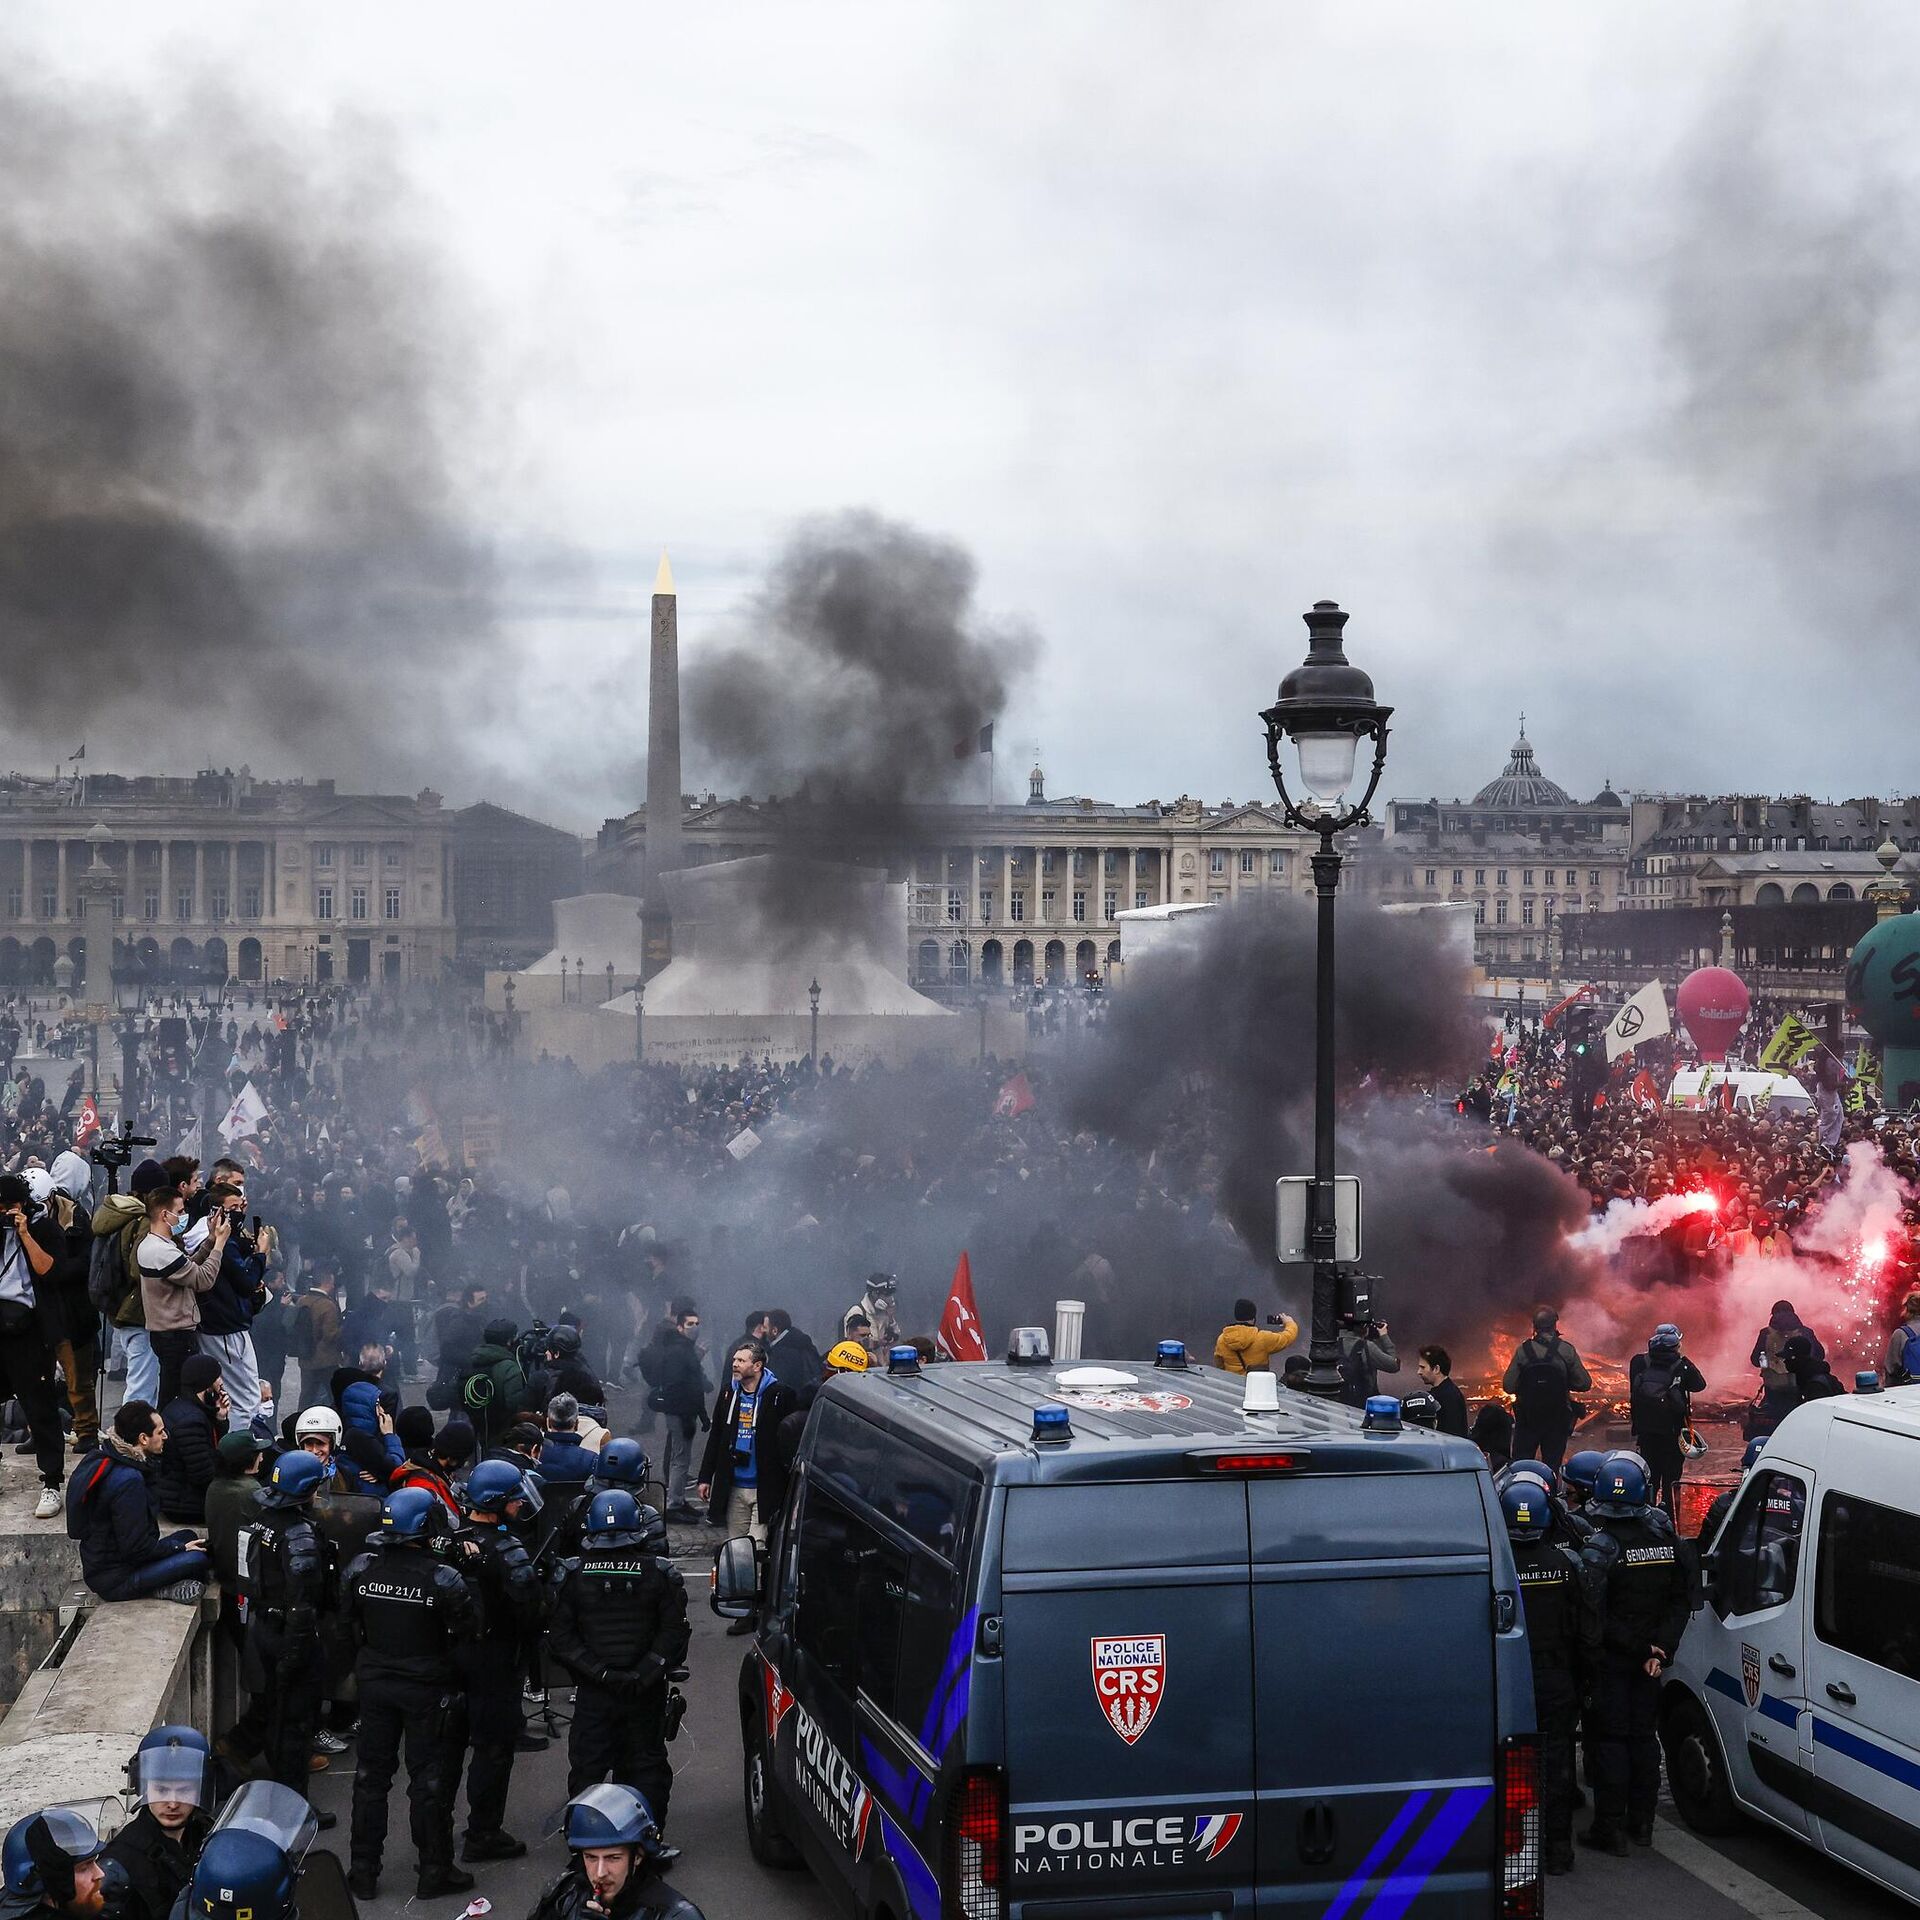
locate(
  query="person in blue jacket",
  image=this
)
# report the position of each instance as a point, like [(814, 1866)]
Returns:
[(110, 1511), (564, 1462)]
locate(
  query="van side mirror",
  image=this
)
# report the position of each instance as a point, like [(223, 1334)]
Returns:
[(736, 1578)]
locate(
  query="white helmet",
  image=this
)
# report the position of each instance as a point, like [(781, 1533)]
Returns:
[(318, 1420), (1693, 1443), (40, 1185)]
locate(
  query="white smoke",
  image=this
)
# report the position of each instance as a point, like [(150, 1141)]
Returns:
[(1626, 1220)]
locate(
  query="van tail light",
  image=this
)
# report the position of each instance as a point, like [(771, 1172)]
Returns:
[(973, 1879), (1522, 1896)]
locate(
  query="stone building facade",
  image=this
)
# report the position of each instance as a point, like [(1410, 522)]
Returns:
[(222, 876), (1012, 893)]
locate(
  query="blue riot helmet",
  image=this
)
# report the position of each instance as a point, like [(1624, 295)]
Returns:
[(1582, 1472), (1535, 1470), (43, 1851), (296, 1476), (613, 1519), (622, 1463), (653, 1533), (611, 1816), (173, 1765), (1752, 1453), (494, 1486), (1527, 1507), (1622, 1490), (241, 1872), (413, 1514), (254, 1855)]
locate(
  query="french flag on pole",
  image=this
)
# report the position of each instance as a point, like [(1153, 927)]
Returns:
[(959, 1337)]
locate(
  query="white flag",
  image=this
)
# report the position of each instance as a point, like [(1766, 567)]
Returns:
[(189, 1147), (1644, 1017), (743, 1143), (244, 1116)]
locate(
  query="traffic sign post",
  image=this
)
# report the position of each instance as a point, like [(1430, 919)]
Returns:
[(1293, 1206)]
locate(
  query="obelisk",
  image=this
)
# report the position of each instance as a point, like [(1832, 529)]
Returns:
[(663, 771)]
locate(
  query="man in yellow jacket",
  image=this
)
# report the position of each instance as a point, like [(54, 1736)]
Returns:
[(1244, 1347)]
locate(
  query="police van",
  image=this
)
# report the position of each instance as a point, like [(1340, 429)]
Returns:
[(1099, 1640), (1795, 1695)]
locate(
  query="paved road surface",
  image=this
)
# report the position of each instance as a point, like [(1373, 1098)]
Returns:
[(1756, 1876)]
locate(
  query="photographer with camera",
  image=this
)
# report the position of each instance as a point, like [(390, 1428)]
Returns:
[(1365, 1352), (239, 1287), (26, 1364), (1245, 1347)]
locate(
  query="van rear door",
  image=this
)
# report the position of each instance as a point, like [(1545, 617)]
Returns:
[(1129, 1708), (1863, 1655), (1376, 1727)]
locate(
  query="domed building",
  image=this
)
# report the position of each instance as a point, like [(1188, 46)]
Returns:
[(1522, 850)]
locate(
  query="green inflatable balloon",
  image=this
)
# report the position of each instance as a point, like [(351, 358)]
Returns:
[(1883, 983)]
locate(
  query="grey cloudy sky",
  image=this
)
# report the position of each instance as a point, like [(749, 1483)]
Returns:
[(1573, 349)]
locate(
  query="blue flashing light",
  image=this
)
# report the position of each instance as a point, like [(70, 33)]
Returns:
[(1171, 1353), (1052, 1426), (1382, 1414), (903, 1359), (1868, 1382)]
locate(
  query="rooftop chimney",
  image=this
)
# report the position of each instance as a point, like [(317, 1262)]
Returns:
[(663, 770)]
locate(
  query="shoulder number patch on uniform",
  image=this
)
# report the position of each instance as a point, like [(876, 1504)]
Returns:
[(1130, 1681), (1750, 1673)]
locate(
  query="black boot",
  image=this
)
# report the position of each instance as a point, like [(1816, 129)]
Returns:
[(1606, 1839), (1640, 1829), (434, 1881), (364, 1883), (498, 1845)]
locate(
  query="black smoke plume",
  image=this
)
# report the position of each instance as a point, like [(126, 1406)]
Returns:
[(230, 378), (1462, 1238), (865, 664)]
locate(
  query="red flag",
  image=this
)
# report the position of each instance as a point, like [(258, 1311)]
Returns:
[(1014, 1099), (1497, 1050), (959, 1337), (86, 1125), (1646, 1095), (1553, 1013), (1726, 1096)]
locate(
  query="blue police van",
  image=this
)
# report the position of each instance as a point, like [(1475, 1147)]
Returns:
[(1097, 1640)]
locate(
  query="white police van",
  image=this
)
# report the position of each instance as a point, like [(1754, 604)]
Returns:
[(1796, 1692)]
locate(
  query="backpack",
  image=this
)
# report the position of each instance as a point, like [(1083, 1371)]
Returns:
[(1903, 1373), (1541, 1390), (1657, 1407), (1353, 1374), (111, 1282)]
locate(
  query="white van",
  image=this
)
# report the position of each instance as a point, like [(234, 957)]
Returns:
[(1753, 1092), (1795, 1695)]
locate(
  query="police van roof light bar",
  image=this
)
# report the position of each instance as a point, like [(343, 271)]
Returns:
[(1171, 1353), (903, 1359), (1052, 1426)]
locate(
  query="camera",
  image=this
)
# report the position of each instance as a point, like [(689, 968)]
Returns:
[(115, 1151), (14, 1193)]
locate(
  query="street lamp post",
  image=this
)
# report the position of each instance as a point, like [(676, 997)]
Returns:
[(639, 1018), (1326, 708), (813, 1023)]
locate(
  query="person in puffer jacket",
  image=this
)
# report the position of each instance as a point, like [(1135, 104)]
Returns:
[(1244, 1347), (362, 1410)]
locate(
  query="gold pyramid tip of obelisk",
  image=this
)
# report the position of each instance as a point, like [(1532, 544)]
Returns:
[(663, 580)]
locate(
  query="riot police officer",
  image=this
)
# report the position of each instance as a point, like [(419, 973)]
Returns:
[(1561, 1593), (620, 1627), (255, 1856), (170, 1781), (510, 1596), (615, 1864), (51, 1864), (409, 1613), (283, 1584), (622, 1463), (1648, 1599)]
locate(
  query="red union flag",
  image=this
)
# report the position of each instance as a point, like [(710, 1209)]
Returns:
[(86, 1124), (959, 1337), (1130, 1681)]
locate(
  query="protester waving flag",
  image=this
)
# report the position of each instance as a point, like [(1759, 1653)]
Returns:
[(959, 1337), (1014, 1099), (1643, 1018), (1793, 1040)]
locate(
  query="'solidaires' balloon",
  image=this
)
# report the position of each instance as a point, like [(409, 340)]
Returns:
[(1713, 1007)]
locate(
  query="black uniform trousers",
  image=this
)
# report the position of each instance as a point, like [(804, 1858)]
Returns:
[(1557, 1706), (432, 1720), (621, 1737), (493, 1725), (26, 1373), (1549, 1443), (1665, 1465), (291, 1683), (1626, 1751)]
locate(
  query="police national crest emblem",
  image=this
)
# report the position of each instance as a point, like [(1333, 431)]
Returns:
[(1750, 1673), (1130, 1681)]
